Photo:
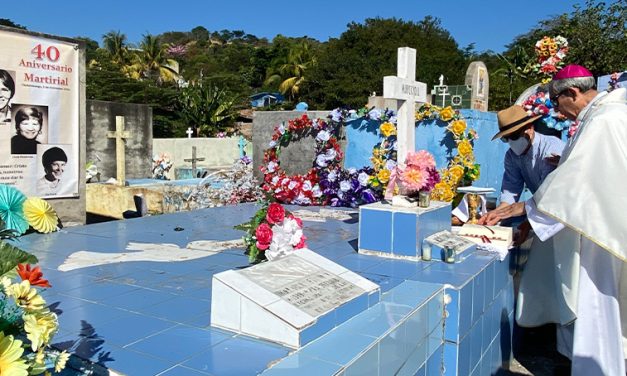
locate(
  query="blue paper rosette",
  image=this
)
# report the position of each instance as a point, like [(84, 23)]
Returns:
[(12, 209)]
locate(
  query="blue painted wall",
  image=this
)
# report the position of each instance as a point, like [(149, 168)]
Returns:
[(432, 136)]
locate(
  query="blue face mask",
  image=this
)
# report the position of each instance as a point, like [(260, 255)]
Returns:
[(519, 145)]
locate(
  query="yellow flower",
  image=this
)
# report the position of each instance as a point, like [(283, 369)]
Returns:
[(442, 192), (387, 129), (59, 365), (456, 172), (464, 148), (447, 113), (458, 127), (25, 296), (11, 362), (40, 327), (40, 215), (383, 176)]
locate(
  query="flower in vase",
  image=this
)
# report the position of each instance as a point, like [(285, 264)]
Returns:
[(421, 159), (413, 179)]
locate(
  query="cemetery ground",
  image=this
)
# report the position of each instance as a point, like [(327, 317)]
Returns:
[(152, 318)]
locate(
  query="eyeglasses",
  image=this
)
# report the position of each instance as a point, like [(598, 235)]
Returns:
[(554, 98)]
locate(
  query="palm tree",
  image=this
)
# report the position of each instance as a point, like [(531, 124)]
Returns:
[(151, 61), (289, 71), (115, 43)]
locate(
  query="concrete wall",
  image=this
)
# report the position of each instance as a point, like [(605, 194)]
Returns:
[(298, 156), (101, 149), (218, 152)]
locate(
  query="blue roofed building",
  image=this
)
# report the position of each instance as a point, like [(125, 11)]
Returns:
[(265, 99)]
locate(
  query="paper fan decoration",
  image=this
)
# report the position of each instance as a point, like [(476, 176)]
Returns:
[(11, 210), (40, 215)]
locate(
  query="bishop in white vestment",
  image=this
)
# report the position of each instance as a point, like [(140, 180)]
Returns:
[(581, 207)]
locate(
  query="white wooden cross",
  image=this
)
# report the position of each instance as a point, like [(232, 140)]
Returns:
[(404, 87), (189, 132), (120, 134)]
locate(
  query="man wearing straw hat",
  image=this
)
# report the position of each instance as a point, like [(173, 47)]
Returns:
[(581, 205)]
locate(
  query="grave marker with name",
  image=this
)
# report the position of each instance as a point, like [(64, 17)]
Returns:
[(292, 300), (404, 87)]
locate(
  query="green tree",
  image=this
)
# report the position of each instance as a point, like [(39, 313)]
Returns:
[(288, 73), (8, 22), (115, 43), (353, 66), (151, 62), (207, 108)]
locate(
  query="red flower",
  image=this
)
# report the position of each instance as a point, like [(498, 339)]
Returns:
[(301, 244), (276, 213), (33, 276), (264, 236)]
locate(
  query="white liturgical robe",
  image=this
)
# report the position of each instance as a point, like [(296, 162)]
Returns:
[(581, 206)]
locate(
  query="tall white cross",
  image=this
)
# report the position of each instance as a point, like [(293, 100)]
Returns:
[(189, 132), (404, 87), (120, 135)]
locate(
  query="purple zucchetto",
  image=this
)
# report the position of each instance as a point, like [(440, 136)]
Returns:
[(572, 71)]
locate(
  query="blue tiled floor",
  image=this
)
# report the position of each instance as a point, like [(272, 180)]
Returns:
[(150, 318)]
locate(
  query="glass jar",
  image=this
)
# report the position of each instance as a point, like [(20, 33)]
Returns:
[(424, 199)]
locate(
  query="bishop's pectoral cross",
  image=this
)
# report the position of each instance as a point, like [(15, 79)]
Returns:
[(120, 135), (404, 87)]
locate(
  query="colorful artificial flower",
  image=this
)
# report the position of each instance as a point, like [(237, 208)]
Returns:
[(447, 113), (387, 129), (40, 215), (443, 192), (276, 213), (61, 361), (383, 176), (33, 276), (421, 159), (458, 127), (456, 172), (11, 362), (413, 179), (263, 233), (465, 148), (25, 296), (40, 327), (11, 209)]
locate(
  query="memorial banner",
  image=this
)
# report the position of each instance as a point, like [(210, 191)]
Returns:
[(39, 115)]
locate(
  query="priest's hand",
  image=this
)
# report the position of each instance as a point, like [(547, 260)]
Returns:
[(503, 212), (553, 160), (523, 233)]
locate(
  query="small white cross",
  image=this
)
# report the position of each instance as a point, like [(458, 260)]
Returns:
[(189, 132)]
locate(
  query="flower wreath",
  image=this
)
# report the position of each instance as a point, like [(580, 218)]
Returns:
[(540, 104), (326, 183), (462, 169), (550, 54)]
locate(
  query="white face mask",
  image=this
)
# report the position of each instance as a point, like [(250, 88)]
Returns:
[(519, 146)]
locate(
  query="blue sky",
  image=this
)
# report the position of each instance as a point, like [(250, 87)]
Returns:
[(490, 24)]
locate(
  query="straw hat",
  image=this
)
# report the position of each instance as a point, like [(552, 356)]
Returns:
[(512, 119)]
